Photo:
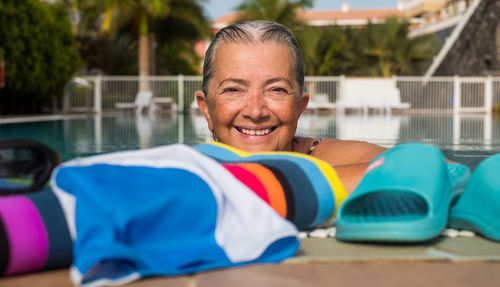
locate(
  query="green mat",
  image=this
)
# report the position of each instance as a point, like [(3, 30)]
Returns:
[(443, 248)]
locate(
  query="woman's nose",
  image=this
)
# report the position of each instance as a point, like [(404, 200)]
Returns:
[(255, 106)]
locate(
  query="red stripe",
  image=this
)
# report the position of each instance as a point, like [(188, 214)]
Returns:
[(249, 179)]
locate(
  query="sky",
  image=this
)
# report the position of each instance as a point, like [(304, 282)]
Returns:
[(218, 8)]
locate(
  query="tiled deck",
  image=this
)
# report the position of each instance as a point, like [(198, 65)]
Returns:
[(327, 262)]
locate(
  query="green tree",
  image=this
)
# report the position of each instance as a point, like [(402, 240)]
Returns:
[(112, 55), (327, 51), (388, 50), (281, 11), (119, 12), (142, 19), (378, 50), (176, 41), (40, 54)]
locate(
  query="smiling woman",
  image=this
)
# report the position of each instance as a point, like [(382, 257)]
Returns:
[(254, 103), (252, 97)]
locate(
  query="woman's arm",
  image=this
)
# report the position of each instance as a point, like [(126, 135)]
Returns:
[(349, 158)]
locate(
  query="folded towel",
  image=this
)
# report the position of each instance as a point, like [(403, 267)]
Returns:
[(164, 211), (33, 233)]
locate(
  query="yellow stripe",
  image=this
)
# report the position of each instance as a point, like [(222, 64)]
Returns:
[(339, 191)]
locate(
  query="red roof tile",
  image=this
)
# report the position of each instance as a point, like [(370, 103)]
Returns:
[(315, 15), (312, 16)]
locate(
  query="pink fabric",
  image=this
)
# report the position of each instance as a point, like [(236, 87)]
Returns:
[(26, 233), (249, 179)]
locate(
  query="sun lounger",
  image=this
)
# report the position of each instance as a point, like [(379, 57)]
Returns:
[(393, 101), (320, 102), (142, 102), (164, 105), (367, 94)]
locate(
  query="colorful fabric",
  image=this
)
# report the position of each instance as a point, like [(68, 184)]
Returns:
[(165, 211), (169, 210), (33, 233), (312, 189), (250, 179), (275, 191)]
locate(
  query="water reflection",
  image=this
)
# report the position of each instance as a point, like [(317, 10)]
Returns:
[(469, 137), (381, 128), (446, 130)]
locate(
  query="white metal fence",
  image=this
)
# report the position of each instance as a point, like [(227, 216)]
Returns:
[(433, 95)]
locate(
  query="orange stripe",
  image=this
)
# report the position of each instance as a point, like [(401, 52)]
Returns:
[(273, 187)]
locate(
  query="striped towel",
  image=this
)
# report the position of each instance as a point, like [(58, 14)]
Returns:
[(166, 211)]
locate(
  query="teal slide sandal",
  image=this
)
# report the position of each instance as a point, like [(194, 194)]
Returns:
[(478, 208), (404, 196)]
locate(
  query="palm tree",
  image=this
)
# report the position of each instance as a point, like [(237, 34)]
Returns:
[(327, 51), (176, 38), (117, 12), (139, 16), (388, 50), (376, 50), (416, 55), (281, 11)]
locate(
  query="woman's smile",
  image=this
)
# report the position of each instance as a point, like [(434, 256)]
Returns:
[(255, 131)]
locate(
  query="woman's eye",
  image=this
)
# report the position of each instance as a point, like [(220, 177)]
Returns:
[(280, 90), (230, 90)]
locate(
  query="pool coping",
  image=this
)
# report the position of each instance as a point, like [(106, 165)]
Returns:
[(319, 263), (37, 118)]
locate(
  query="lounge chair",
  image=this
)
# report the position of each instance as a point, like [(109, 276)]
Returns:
[(352, 101), (142, 102), (164, 104), (368, 94), (320, 102), (393, 101)]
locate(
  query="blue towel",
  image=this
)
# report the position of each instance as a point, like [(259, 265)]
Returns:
[(163, 211)]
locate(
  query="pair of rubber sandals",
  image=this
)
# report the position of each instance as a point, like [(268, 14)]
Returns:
[(411, 194)]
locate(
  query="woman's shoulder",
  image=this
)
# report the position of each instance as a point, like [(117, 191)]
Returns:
[(341, 152), (304, 144)]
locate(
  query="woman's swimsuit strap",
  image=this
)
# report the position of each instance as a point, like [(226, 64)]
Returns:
[(311, 149)]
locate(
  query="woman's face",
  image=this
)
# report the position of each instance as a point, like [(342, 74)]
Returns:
[(254, 102)]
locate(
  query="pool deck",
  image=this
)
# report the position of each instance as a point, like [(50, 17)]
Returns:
[(328, 262)]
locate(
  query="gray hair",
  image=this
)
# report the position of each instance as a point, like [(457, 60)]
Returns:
[(254, 32)]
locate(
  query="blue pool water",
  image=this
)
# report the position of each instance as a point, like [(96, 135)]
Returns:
[(467, 139)]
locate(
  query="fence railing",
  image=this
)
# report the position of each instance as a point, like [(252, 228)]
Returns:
[(422, 95)]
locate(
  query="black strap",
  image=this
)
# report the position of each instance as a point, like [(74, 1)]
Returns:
[(26, 158), (311, 149), (4, 248)]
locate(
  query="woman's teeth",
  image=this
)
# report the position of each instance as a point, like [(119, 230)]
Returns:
[(255, 132)]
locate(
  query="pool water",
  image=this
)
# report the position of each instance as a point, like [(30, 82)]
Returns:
[(467, 139)]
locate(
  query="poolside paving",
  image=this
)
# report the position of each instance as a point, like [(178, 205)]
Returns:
[(327, 262)]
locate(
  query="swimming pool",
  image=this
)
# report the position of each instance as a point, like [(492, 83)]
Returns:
[(464, 138)]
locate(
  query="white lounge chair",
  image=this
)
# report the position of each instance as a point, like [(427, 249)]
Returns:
[(142, 102), (320, 102), (352, 101), (393, 101), (164, 104), (367, 94)]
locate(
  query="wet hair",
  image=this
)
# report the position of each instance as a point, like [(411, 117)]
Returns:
[(254, 32)]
